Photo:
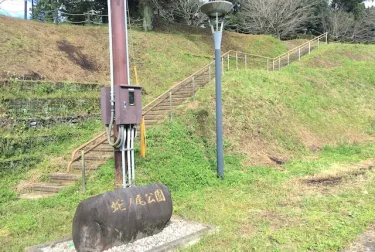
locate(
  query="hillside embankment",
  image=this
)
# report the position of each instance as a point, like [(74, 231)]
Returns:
[(270, 117), (298, 142), (81, 53)]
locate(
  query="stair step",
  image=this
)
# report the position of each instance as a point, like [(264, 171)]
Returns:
[(182, 95), (105, 147), (151, 122), (97, 157), (156, 111), (160, 107), (45, 187), (88, 165), (64, 177), (155, 117)]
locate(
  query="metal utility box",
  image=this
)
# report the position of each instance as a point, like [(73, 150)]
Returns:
[(105, 102), (128, 104)]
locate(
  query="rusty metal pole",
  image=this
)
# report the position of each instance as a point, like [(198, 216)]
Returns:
[(120, 65)]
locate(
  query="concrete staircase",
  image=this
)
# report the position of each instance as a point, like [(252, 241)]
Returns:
[(97, 151)]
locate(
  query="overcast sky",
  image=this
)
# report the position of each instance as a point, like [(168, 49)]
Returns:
[(369, 3), (15, 8)]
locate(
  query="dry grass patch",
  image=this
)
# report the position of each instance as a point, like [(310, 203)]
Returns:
[(81, 53), (338, 178)]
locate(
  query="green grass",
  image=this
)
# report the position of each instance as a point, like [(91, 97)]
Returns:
[(46, 156), (319, 118), (17, 89), (256, 208), (293, 111)]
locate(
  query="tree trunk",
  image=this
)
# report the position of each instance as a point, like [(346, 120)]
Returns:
[(278, 33), (148, 15)]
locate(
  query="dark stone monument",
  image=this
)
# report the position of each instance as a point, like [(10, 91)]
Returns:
[(120, 217)]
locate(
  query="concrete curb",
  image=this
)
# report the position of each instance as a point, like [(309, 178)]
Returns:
[(183, 242)]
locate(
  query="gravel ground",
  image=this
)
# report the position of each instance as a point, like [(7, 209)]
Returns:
[(364, 243), (175, 230)]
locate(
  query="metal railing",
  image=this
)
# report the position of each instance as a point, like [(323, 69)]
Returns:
[(230, 60), (83, 147), (208, 73), (296, 53)]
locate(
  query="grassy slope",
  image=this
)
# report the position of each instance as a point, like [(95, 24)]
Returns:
[(72, 53), (80, 54), (296, 110), (256, 207), (321, 118)]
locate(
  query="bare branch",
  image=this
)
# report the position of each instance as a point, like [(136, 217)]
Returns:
[(280, 18), (185, 11), (2, 1)]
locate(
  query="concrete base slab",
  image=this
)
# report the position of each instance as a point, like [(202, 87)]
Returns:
[(178, 234)]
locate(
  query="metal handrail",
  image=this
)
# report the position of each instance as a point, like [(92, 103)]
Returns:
[(175, 88), (253, 55), (73, 159), (156, 101), (301, 46), (164, 95)]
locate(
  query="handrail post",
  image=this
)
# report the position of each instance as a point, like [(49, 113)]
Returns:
[(236, 61), (326, 38), (279, 63), (193, 84), (245, 61), (171, 106), (228, 60), (299, 54), (209, 73), (83, 172), (222, 65), (57, 16), (288, 58), (318, 42), (88, 18)]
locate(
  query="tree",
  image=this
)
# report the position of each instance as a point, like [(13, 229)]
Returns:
[(45, 10), (147, 14), (321, 21), (101, 7), (1, 2), (356, 7), (346, 27), (342, 24), (76, 9), (180, 11), (279, 18)]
